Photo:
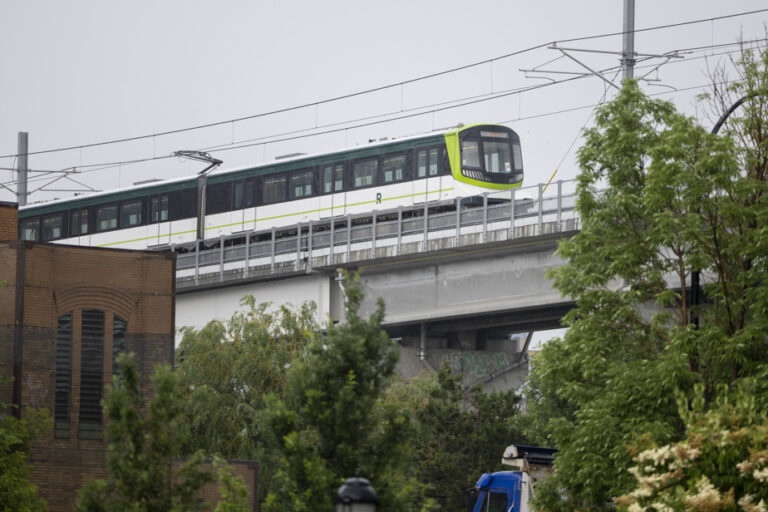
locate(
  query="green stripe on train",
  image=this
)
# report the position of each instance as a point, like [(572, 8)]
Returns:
[(278, 217)]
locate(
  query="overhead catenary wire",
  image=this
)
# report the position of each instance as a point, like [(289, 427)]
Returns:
[(87, 168), (385, 87), (503, 122), (107, 165)]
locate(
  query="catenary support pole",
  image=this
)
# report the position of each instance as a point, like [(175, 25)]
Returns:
[(21, 169), (628, 47)]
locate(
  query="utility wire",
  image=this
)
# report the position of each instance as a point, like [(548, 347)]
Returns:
[(384, 87), (508, 121), (446, 105)]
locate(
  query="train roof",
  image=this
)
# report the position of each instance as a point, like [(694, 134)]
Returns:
[(219, 175)]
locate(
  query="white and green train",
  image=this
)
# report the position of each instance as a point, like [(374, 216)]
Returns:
[(461, 162)]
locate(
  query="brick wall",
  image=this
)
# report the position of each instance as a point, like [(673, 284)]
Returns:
[(46, 281), (9, 221), (248, 470)]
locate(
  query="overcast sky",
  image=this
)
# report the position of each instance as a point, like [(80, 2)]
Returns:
[(80, 72)]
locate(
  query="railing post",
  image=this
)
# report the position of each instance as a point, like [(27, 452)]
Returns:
[(349, 236), (373, 236), (247, 252), (221, 257), (272, 247), (485, 217), (399, 229), (197, 262), (426, 226), (309, 248), (298, 245), (333, 241), (512, 214), (541, 206), (559, 205), (458, 222)]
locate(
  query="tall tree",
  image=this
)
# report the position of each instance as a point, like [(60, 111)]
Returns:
[(227, 368), (143, 440), (337, 426), (17, 493), (659, 197), (459, 434)]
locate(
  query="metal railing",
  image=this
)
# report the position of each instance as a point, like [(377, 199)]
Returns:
[(436, 225)]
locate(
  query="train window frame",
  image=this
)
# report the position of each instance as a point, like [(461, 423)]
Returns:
[(374, 174), (276, 199), (113, 220), (52, 218), (157, 208), (419, 152), (78, 222), (124, 218), (218, 197), (238, 194), (250, 193), (23, 228), (479, 151), (403, 169), (296, 175), (336, 182)]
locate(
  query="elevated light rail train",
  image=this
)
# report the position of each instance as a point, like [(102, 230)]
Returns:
[(462, 162)]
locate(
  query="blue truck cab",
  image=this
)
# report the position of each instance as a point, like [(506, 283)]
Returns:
[(512, 491)]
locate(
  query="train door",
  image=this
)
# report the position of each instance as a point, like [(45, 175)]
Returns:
[(237, 219), (420, 176), (160, 225), (249, 201), (331, 190)]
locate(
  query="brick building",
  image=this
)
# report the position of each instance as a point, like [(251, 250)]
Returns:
[(65, 314)]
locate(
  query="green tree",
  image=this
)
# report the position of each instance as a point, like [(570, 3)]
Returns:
[(17, 493), (338, 426), (227, 368), (143, 440), (658, 197), (459, 434)]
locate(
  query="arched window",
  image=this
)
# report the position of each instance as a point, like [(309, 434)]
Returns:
[(89, 330)]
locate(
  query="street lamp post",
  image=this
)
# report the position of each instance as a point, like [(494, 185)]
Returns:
[(695, 274), (356, 495)]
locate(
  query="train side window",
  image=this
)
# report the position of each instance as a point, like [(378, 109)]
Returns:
[(364, 173), (421, 164), (106, 217), (301, 185), (393, 168), (249, 193), (130, 213), (159, 209), (218, 198), (470, 154), (84, 221), (53, 227), (237, 193), (182, 204), (74, 222), (30, 230), (274, 189), (433, 162), (333, 178)]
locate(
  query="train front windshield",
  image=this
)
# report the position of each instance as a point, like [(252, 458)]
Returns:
[(491, 154)]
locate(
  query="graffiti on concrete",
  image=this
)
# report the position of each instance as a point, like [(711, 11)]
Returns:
[(478, 364)]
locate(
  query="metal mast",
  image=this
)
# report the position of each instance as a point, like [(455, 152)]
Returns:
[(628, 49), (21, 169)]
